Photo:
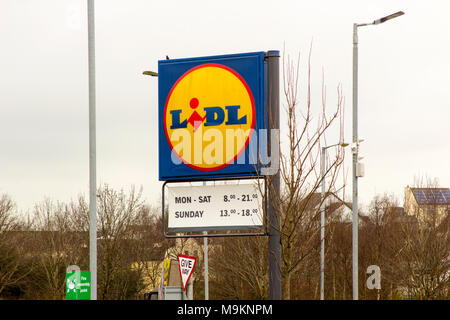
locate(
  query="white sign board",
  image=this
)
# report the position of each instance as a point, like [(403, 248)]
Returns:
[(214, 207), (187, 265)]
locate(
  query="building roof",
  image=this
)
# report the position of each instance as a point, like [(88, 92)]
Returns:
[(437, 196)]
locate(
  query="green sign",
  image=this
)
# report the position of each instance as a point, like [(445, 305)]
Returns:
[(78, 285)]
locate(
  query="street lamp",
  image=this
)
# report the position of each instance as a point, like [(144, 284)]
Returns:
[(322, 221), (355, 148), (92, 151)]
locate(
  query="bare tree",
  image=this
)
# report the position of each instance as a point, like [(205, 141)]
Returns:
[(380, 241), (238, 268), (425, 255), (117, 212), (296, 205), (54, 243), (10, 258), (34, 256), (339, 262), (150, 246), (411, 249), (300, 171)]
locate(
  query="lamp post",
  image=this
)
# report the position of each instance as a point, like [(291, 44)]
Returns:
[(92, 153), (322, 220), (355, 147)]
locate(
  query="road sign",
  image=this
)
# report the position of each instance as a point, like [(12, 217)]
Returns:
[(78, 285), (186, 265), (210, 112), (215, 207)]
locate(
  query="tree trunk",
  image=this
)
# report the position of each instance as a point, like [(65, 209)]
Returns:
[(287, 286)]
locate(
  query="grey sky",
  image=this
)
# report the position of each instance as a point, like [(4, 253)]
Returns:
[(404, 105)]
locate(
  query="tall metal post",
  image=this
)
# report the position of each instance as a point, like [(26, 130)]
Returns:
[(92, 154), (355, 148), (322, 220), (273, 67), (355, 161), (205, 257), (322, 229)]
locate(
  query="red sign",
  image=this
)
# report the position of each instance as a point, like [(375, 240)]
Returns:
[(186, 265)]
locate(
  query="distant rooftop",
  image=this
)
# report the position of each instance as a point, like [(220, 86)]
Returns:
[(439, 196)]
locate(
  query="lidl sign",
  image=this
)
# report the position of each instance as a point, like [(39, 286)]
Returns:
[(210, 112)]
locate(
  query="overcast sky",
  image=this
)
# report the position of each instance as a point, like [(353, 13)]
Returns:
[(404, 68)]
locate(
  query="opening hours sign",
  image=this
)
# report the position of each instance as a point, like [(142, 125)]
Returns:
[(215, 207)]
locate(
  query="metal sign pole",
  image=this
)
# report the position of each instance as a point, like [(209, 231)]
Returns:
[(205, 258), (355, 161), (274, 189), (92, 154)]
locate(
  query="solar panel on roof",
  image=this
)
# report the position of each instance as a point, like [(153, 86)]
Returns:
[(419, 196), (430, 196), (446, 194)]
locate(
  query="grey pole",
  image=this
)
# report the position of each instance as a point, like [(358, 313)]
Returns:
[(190, 290), (356, 146), (322, 221), (322, 229), (355, 160), (273, 64), (205, 257), (92, 154), (188, 294)]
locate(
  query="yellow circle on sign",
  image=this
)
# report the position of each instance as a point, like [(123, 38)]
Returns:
[(209, 117)]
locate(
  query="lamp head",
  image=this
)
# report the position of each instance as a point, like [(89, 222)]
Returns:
[(150, 73), (389, 17)]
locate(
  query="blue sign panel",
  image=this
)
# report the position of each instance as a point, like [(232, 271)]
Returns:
[(211, 110)]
